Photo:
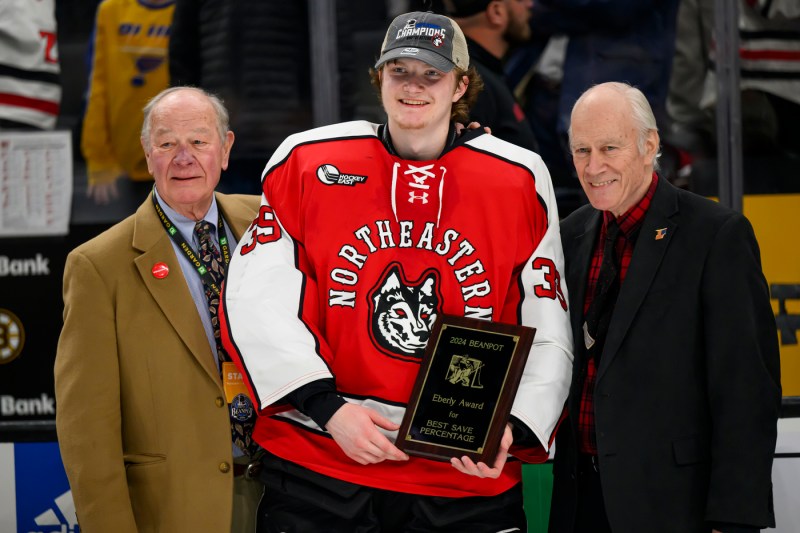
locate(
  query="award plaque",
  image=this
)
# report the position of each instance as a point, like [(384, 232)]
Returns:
[(466, 385)]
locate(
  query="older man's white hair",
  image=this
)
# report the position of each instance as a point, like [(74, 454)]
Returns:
[(641, 113), (219, 110)]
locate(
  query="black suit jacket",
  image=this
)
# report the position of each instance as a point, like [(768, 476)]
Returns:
[(688, 389)]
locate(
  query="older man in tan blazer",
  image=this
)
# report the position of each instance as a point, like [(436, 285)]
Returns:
[(142, 416)]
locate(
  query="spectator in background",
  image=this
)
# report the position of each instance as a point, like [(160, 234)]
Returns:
[(676, 389), (691, 129), (30, 90), (769, 37), (253, 54), (691, 126), (492, 28), (769, 34), (769, 40), (129, 66), (143, 424), (607, 40)]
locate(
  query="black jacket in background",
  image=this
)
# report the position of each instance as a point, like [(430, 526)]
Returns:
[(496, 106), (254, 54)]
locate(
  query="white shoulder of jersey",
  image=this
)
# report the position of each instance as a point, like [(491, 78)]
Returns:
[(520, 156), (506, 150), (355, 128)]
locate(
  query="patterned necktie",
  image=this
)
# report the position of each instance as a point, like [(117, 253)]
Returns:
[(241, 425), (212, 261), (598, 316)]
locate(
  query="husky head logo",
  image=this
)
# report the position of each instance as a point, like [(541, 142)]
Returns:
[(403, 313)]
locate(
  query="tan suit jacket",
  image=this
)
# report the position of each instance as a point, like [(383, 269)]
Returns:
[(142, 424)]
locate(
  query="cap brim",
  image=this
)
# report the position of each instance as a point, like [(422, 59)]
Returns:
[(433, 59)]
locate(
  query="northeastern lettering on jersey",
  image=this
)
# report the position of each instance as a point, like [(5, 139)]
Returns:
[(403, 310)]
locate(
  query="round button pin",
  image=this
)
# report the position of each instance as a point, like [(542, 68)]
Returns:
[(160, 270)]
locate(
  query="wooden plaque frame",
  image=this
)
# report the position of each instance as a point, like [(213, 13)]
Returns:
[(466, 385)]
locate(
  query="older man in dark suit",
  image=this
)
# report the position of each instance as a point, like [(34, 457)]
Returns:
[(676, 383)]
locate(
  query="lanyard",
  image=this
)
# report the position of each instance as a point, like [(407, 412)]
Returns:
[(178, 239)]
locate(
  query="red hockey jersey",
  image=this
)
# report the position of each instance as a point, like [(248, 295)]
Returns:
[(355, 253)]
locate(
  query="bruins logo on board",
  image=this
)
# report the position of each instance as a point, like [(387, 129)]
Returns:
[(12, 336)]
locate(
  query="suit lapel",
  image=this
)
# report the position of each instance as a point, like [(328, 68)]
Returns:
[(578, 246), (578, 269), (171, 292), (647, 257), (238, 220)]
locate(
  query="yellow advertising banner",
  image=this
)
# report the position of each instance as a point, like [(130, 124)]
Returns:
[(776, 221)]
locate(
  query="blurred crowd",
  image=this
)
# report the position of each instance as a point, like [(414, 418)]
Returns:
[(91, 66)]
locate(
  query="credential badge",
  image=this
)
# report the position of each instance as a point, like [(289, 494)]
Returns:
[(242, 408)]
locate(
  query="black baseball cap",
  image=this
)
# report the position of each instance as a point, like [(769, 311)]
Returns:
[(434, 39)]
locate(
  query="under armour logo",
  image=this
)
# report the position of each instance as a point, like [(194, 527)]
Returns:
[(413, 197), (419, 180)]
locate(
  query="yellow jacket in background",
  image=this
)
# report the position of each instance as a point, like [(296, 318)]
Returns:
[(129, 67)]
